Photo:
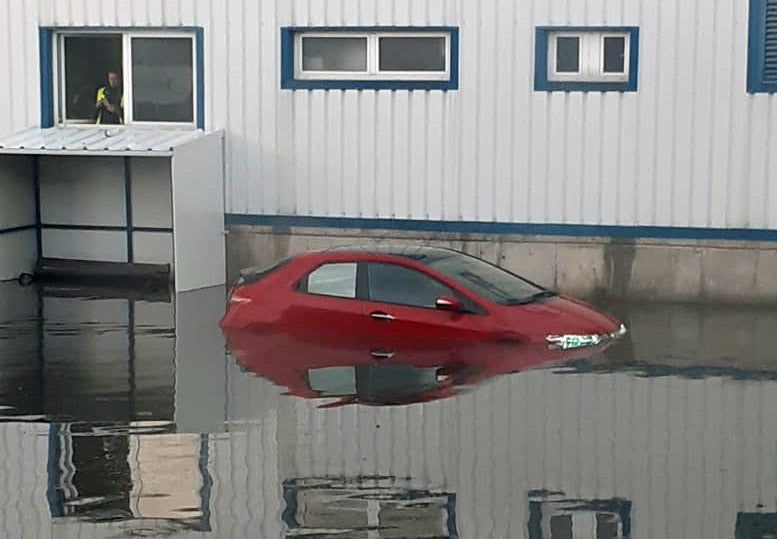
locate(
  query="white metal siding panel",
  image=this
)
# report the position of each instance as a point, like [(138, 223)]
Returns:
[(690, 148)]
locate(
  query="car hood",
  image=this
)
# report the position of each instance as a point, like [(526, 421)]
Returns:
[(559, 316)]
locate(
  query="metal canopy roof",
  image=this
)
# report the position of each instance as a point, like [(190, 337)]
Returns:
[(98, 141)]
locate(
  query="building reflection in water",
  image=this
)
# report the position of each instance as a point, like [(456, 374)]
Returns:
[(103, 379), (110, 476)]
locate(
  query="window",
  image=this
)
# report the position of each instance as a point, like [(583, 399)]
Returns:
[(762, 47), (333, 54), (333, 280), (162, 79), (487, 280), (108, 77), (392, 283), (364, 58), (87, 59), (588, 56), (586, 59), (412, 53)]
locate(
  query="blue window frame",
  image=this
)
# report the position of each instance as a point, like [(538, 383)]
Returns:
[(52, 69), (586, 58), (370, 58), (762, 47)]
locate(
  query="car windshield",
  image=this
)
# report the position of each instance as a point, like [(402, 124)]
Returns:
[(487, 280)]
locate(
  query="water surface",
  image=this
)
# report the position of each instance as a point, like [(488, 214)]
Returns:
[(123, 414)]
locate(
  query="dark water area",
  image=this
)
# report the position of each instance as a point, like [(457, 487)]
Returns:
[(124, 413)]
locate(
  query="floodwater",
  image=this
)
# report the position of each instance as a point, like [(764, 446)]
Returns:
[(123, 414)]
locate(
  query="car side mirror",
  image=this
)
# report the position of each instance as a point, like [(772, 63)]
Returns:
[(448, 303)]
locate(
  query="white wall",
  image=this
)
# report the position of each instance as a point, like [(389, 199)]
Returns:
[(691, 148)]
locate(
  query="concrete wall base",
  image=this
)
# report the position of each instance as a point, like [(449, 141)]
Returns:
[(642, 269)]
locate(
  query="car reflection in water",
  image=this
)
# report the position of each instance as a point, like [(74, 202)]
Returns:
[(418, 373)]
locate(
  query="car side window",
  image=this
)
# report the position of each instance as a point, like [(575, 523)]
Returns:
[(338, 279), (392, 283)]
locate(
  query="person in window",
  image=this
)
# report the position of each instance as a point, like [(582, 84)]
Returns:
[(109, 107)]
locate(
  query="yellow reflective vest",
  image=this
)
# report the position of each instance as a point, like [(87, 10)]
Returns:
[(100, 97)]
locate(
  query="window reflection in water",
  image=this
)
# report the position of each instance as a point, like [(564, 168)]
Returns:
[(381, 507)]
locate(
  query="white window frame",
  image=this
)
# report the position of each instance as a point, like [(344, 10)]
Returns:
[(591, 60), (60, 103), (373, 72)]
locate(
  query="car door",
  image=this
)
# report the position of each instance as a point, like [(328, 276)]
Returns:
[(324, 317), (404, 323)]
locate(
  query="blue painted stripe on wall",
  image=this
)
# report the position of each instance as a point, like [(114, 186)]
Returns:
[(199, 37), (287, 57), (46, 85), (551, 229)]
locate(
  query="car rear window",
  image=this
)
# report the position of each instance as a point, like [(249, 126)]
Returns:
[(336, 279)]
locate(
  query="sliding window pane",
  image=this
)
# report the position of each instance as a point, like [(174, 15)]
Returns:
[(412, 54), (614, 54), (162, 80), (334, 54), (91, 63), (567, 54)]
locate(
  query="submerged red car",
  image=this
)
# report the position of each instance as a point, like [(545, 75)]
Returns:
[(388, 300)]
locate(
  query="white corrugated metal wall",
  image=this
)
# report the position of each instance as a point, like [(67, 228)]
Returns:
[(690, 148)]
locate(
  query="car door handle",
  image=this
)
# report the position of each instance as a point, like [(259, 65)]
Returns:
[(382, 354), (377, 315)]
